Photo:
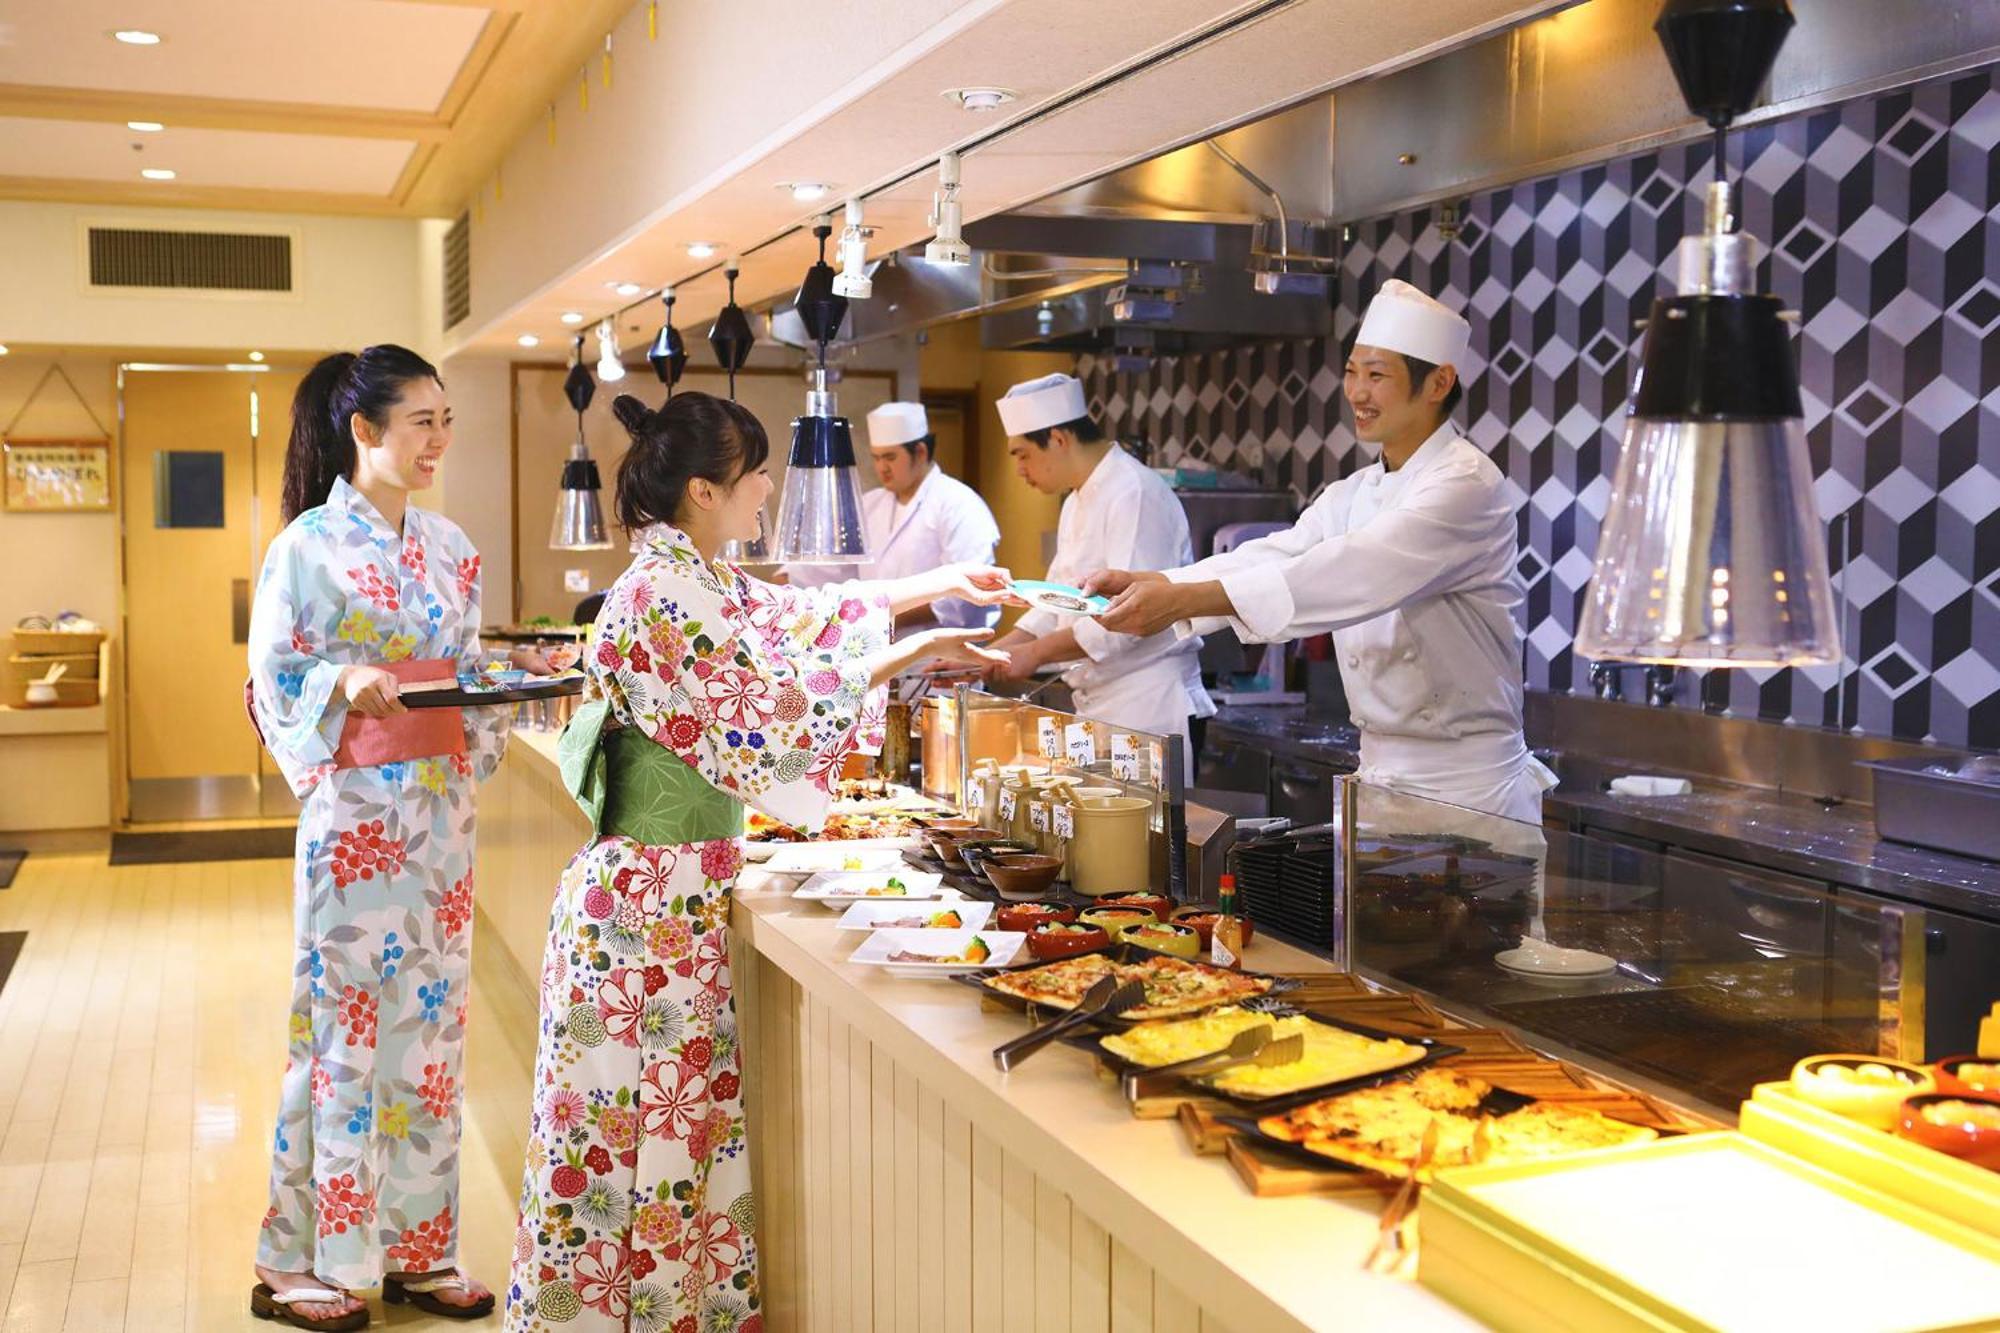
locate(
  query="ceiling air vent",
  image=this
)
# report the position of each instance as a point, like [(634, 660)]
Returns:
[(200, 260), (458, 270)]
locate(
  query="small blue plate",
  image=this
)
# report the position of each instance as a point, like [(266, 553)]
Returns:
[(1061, 598)]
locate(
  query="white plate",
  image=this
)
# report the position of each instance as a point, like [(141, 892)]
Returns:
[(839, 889), (878, 913), (875, 950), (1552, 960), (812, 858)]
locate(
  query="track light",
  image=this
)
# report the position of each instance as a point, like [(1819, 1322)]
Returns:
[(853, 281), (948, 246), (609, 368)]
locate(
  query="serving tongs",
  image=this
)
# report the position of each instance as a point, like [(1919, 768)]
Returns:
[(1252, 1046), (1392, 1245), (1106, 998)]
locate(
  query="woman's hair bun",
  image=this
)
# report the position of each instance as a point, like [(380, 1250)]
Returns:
[(632, 414)]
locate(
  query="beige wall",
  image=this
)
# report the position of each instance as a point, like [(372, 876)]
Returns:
[(477, 488), (57, 562)]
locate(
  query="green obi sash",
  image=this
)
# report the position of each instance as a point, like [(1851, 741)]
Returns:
[(633, 787)]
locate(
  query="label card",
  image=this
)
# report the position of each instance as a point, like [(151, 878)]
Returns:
[(1038, 816), (1157, 752), (1048, 738), (1006, 803), (1081, 743), (1124, 757), (1065, 821)]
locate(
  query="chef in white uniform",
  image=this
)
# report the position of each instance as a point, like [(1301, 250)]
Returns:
[(1409, 562), (917, 519), (1117, 514)]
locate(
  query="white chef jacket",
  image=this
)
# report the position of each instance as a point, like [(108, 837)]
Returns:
[(1125, 517), (1413, 572), (944, 523)]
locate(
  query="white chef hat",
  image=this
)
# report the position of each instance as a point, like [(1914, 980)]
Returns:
[(1038, 404), (897, 423), (1403, 319)]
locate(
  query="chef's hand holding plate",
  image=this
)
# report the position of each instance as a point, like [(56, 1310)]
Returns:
[(371, 691), (1111, 582), (1146, 606)]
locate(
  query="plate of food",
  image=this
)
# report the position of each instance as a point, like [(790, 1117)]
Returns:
[(1337, 1053), (924, 914), (1062, 598), (841, 826), (938, 953), (813, 858), (843, 888), (1382, 1128), (1174, 986)]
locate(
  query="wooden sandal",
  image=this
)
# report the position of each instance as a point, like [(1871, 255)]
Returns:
[(268, 1304), (418, 1292)]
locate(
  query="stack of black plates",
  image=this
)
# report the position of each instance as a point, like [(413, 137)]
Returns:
[(1259, 867), (1289, 886)]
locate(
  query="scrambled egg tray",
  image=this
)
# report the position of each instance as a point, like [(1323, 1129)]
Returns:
[(1331, 1054)]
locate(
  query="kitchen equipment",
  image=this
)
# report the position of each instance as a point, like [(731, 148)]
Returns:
[(1111, 852), (1915, 802)]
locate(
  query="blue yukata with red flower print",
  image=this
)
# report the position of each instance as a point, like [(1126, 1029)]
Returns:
[(365, 1172), (635, 1202)]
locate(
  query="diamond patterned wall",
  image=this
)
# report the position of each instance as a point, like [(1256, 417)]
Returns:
[(1881, 220)]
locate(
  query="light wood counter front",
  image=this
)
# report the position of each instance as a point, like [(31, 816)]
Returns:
[(904, 1183)]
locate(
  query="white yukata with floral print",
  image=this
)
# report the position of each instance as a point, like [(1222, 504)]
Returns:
[(635, 1204), (365, 1178)]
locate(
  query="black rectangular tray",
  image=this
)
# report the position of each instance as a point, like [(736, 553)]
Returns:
[(526, 692), (1434, 1050), (1118, 953), (1497, 1102)]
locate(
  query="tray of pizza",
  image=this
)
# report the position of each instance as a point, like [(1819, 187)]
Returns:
[(1174, 987)]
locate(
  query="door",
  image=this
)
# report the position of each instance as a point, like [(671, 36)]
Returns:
[(200, 506)]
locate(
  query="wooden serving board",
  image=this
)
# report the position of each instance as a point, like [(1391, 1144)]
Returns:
[(1404, 1015), (1269, 1174)]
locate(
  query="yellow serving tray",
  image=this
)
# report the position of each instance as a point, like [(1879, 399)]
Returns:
[(1945, 1185), (1698, 1233)]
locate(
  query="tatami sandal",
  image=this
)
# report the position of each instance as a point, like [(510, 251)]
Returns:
[(268, 1304), (396, 1290)]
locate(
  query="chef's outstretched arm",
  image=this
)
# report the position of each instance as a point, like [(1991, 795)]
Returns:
[(1148, 605)]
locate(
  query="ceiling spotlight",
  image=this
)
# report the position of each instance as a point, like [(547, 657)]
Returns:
[(3, 349), (144, 126), (981, 99), (700, 249), (609, 368), (156, 173), (625, 288), (948, 246), (571, 317), (137, 37), (529, 340), (853, 281), (258, 357), (806, 192)]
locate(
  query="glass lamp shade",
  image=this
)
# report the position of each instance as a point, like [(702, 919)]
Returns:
[(579, 517), (819, 518), (756, 551)]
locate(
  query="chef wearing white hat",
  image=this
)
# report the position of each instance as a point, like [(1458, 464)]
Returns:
[(1117, 513), (1409, 562), (917, 519)]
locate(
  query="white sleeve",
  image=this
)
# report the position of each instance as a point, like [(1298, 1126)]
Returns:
[(1146, 530)]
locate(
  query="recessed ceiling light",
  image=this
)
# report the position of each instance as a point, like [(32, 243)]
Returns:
[(981, 99), (529, 340), (571, 317), (137, 37), (806, 192), (3, 349), (144, 126), (625, 288), (157, 173), (700, 249), (258, 357)]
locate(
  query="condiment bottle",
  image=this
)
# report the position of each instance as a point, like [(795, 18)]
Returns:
[(1226, 944)]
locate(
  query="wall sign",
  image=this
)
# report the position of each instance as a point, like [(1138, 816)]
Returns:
[(57, 476)]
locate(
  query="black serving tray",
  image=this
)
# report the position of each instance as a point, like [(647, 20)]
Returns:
[(526, 692), (1118, 953), (1499, 1101)]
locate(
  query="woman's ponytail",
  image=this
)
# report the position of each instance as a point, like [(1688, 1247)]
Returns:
[(339, 386)]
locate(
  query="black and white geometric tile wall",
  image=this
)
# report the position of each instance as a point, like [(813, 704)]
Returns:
[(1881, 220)]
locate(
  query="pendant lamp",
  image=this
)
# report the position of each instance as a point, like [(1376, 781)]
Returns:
[(731, 337), (819, 518), (1712, 551), (579, 517), (668, 354)]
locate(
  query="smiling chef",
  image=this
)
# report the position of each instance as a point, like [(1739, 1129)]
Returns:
[(1409, 562)]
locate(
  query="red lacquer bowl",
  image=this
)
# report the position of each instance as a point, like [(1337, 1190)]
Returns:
[(1969, 1127)]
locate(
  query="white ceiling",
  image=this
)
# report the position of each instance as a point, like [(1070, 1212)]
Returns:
[(86, 151)]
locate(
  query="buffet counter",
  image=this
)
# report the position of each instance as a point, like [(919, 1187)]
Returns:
[(904, 1183)]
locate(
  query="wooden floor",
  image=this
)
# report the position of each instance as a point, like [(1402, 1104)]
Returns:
[(141, 1040)]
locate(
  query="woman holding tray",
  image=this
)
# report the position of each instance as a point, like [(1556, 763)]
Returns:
[(707, 691), (360, 594)]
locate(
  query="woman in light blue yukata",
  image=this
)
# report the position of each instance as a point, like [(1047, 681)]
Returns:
[(360, 593)]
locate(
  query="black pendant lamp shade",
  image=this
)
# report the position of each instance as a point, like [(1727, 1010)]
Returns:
[(578, 524), (668, 354), (1721, 51), (578, 386), (731, 335), (820, 309)]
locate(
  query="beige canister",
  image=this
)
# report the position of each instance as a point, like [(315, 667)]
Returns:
[(1111, 851)]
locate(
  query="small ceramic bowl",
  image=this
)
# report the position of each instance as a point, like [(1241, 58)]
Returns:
[(949, 844), (1025, 917), (1114, 919), (1022, 878), (1158, 904), (978, 851), (1968, 1074), (952, 825), (1202, 919), (1058, 941), (1963, 1125), (1867, 1088), (1163, 937)]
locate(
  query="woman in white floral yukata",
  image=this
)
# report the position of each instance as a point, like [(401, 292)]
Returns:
[(359, 591), (708, 691)]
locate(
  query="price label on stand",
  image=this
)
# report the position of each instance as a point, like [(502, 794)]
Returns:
[(1156, 752), (1125, 757), (1038, 816), (1048, 738), (975, 793), (1080, 744), (1006, 803), (1065, 820)]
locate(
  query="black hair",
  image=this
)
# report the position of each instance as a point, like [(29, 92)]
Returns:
[(693, 435), (323, 410), (928, 440), (1086, 431), (1421, 370)]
